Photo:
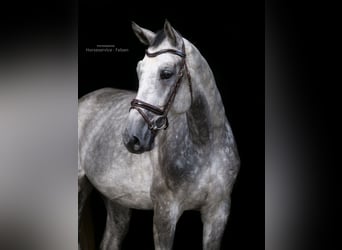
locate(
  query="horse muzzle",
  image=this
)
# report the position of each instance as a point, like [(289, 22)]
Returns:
[(136, 143)]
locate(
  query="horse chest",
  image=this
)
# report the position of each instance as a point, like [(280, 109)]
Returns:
[(180, 163), (194, 173), (190, 176)]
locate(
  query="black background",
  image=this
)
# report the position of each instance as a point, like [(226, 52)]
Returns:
[(231, 38)]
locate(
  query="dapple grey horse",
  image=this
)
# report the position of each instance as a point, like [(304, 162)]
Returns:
[(168, 147)]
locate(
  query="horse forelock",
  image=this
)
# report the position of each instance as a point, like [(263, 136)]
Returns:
[(159, 39)]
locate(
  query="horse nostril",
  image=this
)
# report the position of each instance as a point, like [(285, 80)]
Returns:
[(136, 143)]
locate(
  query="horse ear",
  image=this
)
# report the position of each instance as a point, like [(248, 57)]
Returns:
[(144, 35), (172, 34)]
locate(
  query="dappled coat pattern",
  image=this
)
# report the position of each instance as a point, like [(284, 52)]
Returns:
[(171, 149)]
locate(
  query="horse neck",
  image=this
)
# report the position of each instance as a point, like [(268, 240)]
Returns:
[(206, 117)]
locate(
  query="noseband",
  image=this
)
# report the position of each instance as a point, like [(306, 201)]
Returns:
[(160, 121)]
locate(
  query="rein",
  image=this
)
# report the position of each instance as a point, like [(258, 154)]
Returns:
[(160, 121)]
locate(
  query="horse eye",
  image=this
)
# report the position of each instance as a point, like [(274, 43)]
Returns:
[(166, 74)]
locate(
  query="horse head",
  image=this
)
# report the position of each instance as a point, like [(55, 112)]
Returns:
[(163, 88)]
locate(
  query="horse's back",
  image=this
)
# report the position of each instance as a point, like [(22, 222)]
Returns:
[(100, 100)]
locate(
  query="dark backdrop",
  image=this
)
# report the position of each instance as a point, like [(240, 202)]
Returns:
[(231, 38)]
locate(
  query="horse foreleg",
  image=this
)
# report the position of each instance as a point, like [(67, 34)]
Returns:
[(164, 225), (84, 189), (214, 218), (117, 224)]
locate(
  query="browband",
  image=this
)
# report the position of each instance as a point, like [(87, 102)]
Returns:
[(172, 51)]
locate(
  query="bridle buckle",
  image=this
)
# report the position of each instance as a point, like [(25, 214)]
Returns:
[(159, 123)]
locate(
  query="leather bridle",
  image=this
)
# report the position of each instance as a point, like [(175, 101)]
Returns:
[(160, 121)]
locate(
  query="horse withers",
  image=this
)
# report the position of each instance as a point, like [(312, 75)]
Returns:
[(168, 147)]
